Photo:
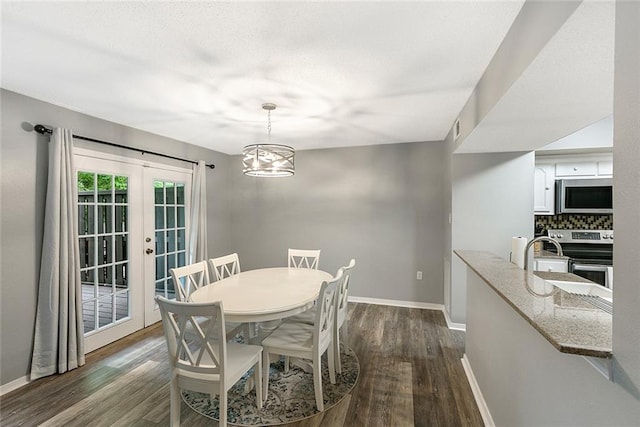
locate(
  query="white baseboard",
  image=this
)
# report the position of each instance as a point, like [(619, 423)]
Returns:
[(397, 303), (412, 304), (455, 326), (477, 393), (14, 385)]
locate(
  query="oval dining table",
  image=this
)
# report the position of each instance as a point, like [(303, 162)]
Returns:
[(264, 294)]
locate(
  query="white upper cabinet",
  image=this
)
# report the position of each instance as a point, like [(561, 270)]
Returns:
[(543, 194), (605, 168), (550, 168), (576, 169)]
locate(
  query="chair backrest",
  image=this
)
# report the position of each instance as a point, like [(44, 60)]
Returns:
[(325, 311), (303, 258), (189, 278), (195, 336), (225, 266), (342, 306)]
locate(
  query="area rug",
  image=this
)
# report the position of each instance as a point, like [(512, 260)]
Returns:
[(291, 397)]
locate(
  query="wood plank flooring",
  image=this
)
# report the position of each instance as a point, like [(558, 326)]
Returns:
[(410, 375)]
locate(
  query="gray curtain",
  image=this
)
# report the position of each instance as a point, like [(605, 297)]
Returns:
[(198, 220), (58, 344)]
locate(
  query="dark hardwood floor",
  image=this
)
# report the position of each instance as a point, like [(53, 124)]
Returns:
[(411, 375)]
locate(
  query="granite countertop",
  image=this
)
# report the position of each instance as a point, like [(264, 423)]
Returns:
[(570, 324)]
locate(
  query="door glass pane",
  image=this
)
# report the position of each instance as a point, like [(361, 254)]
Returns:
[(122, 305), (179, 193), (121, 248), (89, 315), (171, 217), (171, 241), (170, 193), (158, 189), (181, 239), (104, 219), (121, 276), (85, 219), (170, 233), (180, 216), (160, 244), (121, 184), (105, 310), (159, 217), (104, 248), (105, 188), (160, 271), (87, 252), (121, 219)]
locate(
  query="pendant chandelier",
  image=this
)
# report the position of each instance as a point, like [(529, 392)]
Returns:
[(268, 160)]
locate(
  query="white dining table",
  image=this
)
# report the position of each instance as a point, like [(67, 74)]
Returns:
[(265, 294)]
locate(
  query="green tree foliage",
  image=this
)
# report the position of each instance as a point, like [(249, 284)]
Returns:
[(88, 180)]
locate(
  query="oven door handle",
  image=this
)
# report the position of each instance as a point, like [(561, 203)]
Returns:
[(584, 267)]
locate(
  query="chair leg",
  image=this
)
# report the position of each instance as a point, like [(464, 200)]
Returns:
[(175, 403), (332, 362), (344, 332), (265, 375), (257, 377), (317, 383), (336, 351), (223, 409)]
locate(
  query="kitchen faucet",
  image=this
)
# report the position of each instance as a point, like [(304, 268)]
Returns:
[(539, 239)]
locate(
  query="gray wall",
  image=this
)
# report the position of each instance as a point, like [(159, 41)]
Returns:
[(626, 158), (382, 205), (492, 201), (24, 175), (525, 381)]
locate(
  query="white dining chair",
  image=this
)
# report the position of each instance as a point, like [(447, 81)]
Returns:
[(188, 279), (303, 258), (204, 362), (225, 266), (341, 326), (301, 340)]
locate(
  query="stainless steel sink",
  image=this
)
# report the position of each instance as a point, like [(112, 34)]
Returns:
[(595, 294)]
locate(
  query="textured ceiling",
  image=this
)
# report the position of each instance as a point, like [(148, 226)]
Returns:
[(342, 73)]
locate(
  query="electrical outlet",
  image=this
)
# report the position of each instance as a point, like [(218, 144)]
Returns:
[(419, 275)]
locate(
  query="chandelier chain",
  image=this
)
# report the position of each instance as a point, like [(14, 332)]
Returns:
[(269, 124)]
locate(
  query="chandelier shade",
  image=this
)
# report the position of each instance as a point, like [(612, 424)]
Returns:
[(268, 160)]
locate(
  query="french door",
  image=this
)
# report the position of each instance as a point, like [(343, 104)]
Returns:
[(133, 228), (165, 233)]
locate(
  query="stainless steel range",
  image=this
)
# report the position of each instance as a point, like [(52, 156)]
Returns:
[(590, 253)]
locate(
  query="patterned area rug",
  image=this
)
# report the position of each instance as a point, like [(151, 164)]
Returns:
[(291, 396)]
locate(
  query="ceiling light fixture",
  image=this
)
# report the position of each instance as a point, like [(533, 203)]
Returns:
[(268, 160)]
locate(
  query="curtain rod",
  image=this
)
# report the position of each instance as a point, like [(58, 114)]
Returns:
[(43, 130)]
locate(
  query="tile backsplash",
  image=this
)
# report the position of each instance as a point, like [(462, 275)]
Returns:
[(574, 222)]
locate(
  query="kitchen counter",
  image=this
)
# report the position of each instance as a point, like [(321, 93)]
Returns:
[(570, 324)]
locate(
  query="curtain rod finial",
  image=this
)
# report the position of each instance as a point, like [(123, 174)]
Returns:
[(41, 129)]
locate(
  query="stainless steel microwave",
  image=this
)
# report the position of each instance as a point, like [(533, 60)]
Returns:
[(584, 196)]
